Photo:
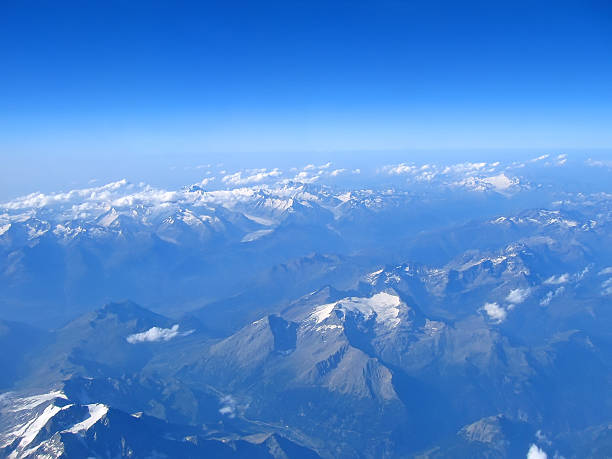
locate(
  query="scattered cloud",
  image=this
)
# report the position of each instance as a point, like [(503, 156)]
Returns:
[(155, 334), (557, 280), (337, 172), (539, 158), (607, 286), (518, 295), (399, 169), (598, 163), (500, 182), (536, 453), (228, 406), (251, 176), (550, 295), (205, 181), (495, 312), (605, 271)]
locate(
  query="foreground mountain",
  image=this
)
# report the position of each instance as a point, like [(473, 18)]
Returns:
[(52, 425)]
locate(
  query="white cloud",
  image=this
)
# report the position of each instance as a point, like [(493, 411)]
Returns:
[(598, 163), (536, 453), (605, 271), (557, 280), (518, 295), (607, 286), (155, 334), (206, 181), (38, 200), (500, 182), (539, 158), (337, 172), (306, 177), (228, 406), (255, 176), (477, 176), (495, 312), (401, 168), (550, 295)]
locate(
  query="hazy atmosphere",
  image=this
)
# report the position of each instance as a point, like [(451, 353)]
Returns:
[(306, 229)]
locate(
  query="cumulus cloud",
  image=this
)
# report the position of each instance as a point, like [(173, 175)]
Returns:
[(228, 406), (536, 453), (518, 295), (557, 280), (401, 168), (500, 182), (495, 312), (251, 176), (155, 334), (205, 181), (337, 172), (306, 177), (38, 200)]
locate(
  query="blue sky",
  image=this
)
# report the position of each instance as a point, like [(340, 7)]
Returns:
[(111, 81)]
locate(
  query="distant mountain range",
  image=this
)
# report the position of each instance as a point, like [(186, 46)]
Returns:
[(301, 320)]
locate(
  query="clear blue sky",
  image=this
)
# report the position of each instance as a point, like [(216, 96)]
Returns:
[(105, 79)]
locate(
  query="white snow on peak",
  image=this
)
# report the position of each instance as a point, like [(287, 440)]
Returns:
[(384, 306), (344, 197), (321, 313), (96, 412), (109, 218), (155, 334), (28, 403), (373, 276), (30, 430)]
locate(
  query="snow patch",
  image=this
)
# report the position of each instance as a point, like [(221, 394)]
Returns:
[(256, 235), (31, 429), (96, 411)]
